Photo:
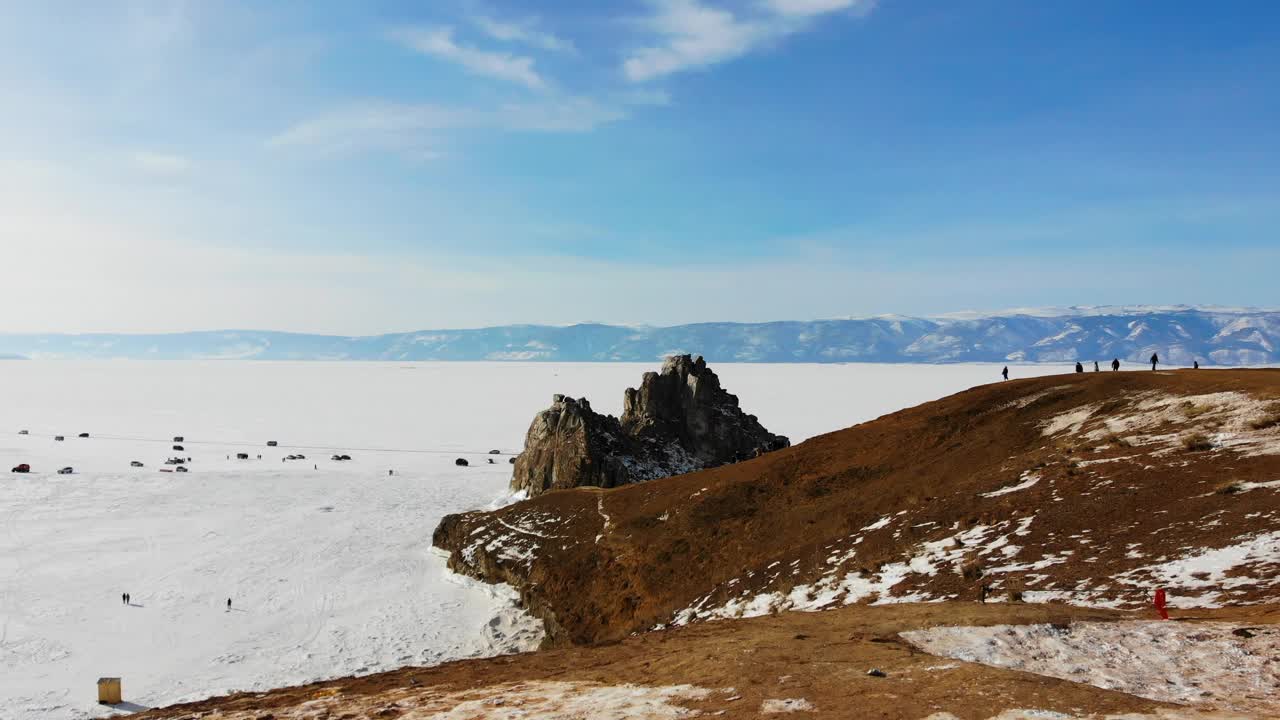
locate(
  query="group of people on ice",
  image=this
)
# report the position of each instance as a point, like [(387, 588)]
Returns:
[(127, 599)]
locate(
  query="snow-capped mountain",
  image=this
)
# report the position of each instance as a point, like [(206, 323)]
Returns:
[(1180, 334)]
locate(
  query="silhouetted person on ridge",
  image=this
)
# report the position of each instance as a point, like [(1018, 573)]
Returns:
[(1115, 364), (1005, 372), (1195, 364), (1155, 359), (1079, 367), (1095, 366)]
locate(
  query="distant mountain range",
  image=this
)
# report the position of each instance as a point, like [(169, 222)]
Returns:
[(1218, 336)]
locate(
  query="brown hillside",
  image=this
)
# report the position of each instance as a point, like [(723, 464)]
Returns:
[(1091, 488)]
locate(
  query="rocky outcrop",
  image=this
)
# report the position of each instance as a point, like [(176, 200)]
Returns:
[(678, 421)]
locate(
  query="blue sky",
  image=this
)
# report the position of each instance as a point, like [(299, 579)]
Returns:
[(377, 166)]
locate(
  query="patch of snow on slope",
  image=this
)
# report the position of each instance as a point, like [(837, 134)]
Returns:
[(1201, 663), (882, 522), (786, 705), (1252, 561), (842, 586), (1072, 420), (546, 700), (1028, 480)]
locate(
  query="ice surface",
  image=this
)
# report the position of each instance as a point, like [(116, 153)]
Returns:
[(328, 564)]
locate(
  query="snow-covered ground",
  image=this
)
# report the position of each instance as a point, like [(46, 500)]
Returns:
[(328, 564), (1221, 665)]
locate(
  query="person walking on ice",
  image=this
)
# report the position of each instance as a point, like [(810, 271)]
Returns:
[(228, 604), (1155, 359), (1115, 364)]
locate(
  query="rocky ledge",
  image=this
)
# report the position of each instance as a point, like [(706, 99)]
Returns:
[(678, 421)]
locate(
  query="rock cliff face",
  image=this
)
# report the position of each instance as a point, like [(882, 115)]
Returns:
[(678, 421)]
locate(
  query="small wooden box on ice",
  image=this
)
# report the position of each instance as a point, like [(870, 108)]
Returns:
[(109, 691)]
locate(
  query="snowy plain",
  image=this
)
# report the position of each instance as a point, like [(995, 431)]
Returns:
[(328, 564)]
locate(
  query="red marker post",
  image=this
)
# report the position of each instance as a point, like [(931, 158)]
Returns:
[(1160, 603)]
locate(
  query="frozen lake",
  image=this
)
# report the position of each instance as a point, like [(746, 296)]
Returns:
[(328, 564)]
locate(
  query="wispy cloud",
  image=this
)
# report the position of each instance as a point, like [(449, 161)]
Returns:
[(807, 8), (526, 32), (157, 163), (439, 42), (691, 34), (417, 129)]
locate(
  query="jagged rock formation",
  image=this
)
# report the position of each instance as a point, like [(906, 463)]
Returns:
[(677, 421)]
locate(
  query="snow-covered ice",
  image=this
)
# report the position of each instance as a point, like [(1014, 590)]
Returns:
[(328, 564)]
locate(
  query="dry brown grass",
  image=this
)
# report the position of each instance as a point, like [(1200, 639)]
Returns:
[(1231, 487), (1197, 442), (1193, 411), (1267, 421)]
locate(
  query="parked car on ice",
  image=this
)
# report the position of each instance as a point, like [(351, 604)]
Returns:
[(174, 461), (65, 471), (461, 462), (58, 438), (135, 463), (179, 438), (242, 456), (23, 432), (179, 448), (83, 435), (272, 443), (22, 468), (181, 468)]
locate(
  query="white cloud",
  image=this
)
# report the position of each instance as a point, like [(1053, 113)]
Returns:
[(807, 8), (693, 35), (523, 32), (163, 164), (415, 128), (438, 42)]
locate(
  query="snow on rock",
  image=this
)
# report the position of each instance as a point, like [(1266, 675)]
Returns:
[(1185, 663)]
